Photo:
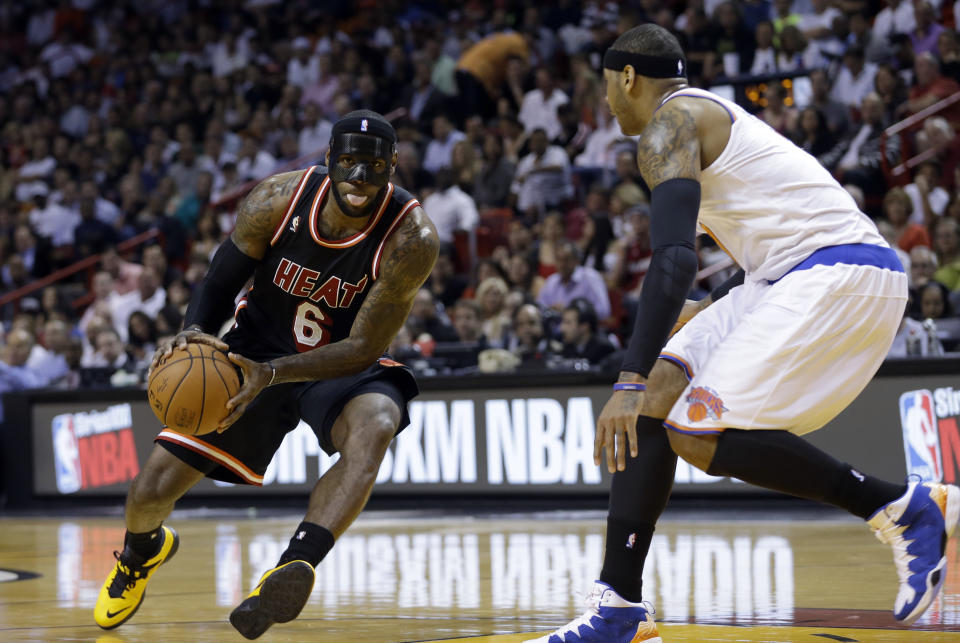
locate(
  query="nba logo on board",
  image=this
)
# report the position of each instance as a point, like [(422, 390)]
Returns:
[(364, 125), (66, 454), (921, 438)]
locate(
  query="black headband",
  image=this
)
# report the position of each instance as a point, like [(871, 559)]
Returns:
[(649, 66), (365, 123)]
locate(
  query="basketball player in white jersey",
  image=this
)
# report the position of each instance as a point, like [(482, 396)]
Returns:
[(773, 354)]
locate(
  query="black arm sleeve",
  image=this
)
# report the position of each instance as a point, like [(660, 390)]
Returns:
[(211, 303), (673, 222), (736, 279)]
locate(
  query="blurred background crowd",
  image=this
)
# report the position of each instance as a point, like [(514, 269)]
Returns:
[(130, 130)]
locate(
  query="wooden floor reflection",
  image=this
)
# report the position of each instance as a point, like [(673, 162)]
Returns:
[(407, 577)]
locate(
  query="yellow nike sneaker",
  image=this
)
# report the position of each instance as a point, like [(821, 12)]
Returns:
[(123, 591), (278, 598)]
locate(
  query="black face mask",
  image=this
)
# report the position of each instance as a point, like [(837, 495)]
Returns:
[(365, 150)]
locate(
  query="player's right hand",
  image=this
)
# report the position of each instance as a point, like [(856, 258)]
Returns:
[(180, 341)]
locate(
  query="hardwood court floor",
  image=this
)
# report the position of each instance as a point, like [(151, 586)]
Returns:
[(404, 577)]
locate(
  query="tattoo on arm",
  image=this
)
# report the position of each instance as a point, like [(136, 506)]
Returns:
[(261, 211), (403, 272), (670, 146), (668, 149), (408, 259)]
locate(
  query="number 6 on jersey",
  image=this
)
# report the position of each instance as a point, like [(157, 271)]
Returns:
[(308, 327)]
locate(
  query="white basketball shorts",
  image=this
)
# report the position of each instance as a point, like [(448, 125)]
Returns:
[(788, 355)]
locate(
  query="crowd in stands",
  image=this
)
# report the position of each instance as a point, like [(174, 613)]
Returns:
[(120, 117)]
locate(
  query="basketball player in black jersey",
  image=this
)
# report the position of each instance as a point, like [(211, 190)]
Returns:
[(336, 257)]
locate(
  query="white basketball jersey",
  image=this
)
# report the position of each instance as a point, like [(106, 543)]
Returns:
[(768, 203)]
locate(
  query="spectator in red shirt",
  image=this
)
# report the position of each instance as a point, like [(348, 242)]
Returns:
[(938, 136), (631, 253), (931, 87), (551, 235), (897, 207)]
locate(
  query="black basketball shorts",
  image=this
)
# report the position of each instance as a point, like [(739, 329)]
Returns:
[(242, 452)]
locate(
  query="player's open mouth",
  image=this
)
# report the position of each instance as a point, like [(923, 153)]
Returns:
[(357, 200)]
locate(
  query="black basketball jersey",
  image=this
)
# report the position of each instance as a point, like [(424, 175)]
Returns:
[(307, 290)]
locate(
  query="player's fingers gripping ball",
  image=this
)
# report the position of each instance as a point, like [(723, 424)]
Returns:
[(189, 390)]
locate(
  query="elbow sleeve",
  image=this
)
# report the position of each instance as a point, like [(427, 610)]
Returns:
[(672, 271), (212, 302), (675, 205)]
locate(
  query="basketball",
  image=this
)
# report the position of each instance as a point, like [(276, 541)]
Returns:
[(189, 390)]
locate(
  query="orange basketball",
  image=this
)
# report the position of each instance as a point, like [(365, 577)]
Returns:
[(189, 390), (697, 412)]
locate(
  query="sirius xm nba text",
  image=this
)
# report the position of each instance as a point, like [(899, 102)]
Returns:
[(931, 437), (482, 443), (452, 444)]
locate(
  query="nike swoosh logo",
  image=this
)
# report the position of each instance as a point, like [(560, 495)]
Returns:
[(117, 613)]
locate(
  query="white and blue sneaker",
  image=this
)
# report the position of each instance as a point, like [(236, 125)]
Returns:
[(609, 619), (917, 526)]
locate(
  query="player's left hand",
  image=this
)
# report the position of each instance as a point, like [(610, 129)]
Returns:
[(256, 376), (617, 429), (688, 312)]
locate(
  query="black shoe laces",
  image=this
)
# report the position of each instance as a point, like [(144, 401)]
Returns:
[(126, 577)]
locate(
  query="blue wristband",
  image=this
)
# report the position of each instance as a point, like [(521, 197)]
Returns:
[(629, 386)]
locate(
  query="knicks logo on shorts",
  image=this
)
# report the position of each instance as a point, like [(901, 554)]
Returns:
[(384, 361), (703, 402)]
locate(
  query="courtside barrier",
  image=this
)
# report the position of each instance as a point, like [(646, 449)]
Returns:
[(481, 435)]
